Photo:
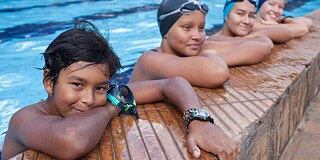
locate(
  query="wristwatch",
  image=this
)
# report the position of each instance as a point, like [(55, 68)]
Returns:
[(114, 94), (196, 114)]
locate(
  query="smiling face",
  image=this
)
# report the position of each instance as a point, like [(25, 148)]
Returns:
[(186, 35), (271, 10), (79, 88), (240, 20)]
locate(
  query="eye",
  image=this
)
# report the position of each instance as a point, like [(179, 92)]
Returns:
[(252, 16), (102, 89), (281, 6), (241, 14), (186, 27), (201, 28), (76, 84), (272, 3)]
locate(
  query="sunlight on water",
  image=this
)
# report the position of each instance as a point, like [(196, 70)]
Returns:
[(11, 80)]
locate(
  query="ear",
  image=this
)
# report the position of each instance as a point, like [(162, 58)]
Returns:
[(48, 85)]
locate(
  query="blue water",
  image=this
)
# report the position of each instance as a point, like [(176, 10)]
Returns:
[(27, 27)]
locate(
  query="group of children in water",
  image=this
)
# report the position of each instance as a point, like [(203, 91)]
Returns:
[(80, 62)]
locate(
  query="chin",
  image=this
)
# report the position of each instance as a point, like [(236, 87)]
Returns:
[(271, 19), (243, 33), (189, 54)]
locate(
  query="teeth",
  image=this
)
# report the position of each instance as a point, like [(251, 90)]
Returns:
[(273, 15)]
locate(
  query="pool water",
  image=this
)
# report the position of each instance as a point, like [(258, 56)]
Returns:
[(28, 26)]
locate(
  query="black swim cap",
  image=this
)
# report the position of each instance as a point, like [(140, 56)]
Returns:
[(165, 7)]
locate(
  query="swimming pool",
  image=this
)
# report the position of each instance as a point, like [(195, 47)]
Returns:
[(29, 26)]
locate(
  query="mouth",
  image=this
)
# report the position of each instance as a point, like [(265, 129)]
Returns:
[(78, 110), (273, 15), (194, 46), (245, 28)]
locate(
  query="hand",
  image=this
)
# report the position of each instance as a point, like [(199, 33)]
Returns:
[(210, 138), (308, 22)]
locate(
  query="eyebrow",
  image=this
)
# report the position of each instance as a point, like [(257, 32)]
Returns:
[(242, 10), (85, 81), (77, 78)]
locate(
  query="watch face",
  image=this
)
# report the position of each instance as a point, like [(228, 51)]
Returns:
[(203, 113)]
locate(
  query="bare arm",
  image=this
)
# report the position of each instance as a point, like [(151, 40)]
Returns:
[(198, 70), (179, 92), (277, 34), (298, 26), (239, 50), (64, 138)]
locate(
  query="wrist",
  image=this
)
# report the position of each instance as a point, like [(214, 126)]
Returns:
[(193, 114), (112, 109), (285, 18)]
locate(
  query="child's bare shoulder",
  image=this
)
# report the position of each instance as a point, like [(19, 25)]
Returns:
[(28, 112)]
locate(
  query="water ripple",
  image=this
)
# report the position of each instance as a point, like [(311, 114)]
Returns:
[(121, 30), (7, 107), (12, 79)]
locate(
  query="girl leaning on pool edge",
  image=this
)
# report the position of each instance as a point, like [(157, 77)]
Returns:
[(270, 15), (236, 43), (181, 24)]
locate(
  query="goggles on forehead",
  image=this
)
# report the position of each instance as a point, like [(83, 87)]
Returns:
[(187, 8), (254, 2)]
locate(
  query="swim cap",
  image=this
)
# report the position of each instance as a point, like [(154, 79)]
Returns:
[(171, 10), (165, 7), (227, 8), (260, 3)]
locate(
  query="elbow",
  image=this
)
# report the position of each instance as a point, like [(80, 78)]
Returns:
[(301, 32), (74, 146), (266, 52), (217, 77), (268, 42)]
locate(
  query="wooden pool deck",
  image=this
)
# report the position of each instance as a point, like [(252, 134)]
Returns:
[(260, 107)]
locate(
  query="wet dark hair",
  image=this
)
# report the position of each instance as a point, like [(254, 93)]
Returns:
[(84, 43)]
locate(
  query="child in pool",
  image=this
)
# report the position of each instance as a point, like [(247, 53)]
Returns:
[(270, 15), (71, 121), (179, 53), (236, 42)]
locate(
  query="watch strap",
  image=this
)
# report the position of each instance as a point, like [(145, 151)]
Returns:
[(196, 114), (116, 92)]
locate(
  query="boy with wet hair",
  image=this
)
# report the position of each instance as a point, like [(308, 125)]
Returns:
[(71, 121)]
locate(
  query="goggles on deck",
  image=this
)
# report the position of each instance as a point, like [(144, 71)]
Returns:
[(254, 2), (187, 8)]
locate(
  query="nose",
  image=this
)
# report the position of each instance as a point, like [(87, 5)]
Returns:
[(275, 9), (88, 98), (196, 34), (246, 19)]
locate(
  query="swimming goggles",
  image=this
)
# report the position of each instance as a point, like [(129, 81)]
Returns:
[(254, 2), (187, 8), (114, 94)]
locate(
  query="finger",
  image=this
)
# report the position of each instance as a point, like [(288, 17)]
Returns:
[(235, 152), (222, 154), (193, 148)]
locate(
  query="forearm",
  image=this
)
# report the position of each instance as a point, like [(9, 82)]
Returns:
[(246, 54), (277, 34), (175, 90), (179, 92), (86, 129)]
